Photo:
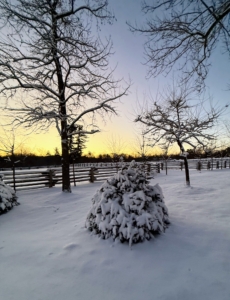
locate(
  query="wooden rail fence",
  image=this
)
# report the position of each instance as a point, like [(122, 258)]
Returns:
[(48, 177), (197, 164), (40, 178)]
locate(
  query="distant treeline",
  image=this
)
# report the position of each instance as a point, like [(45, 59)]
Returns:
[(32, 160)]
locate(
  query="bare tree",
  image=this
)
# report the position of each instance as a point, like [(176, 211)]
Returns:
[(116, 146), (141, 145), (227, 128), (56, 151), (174, 120), (184, 33), (11, 142), (51, 55), (8, 144)]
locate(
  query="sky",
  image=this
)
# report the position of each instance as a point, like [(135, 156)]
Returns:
[(129, 59)]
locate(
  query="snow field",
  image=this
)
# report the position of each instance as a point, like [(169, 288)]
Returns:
[(47, 253)]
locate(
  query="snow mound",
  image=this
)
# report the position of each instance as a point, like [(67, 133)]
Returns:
[(8, 197), (127, 208)]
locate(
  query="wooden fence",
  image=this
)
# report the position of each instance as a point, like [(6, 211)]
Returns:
[(40, 178), (197, 164), (47, 177)]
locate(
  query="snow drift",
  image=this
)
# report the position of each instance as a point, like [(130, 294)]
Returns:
[(127, 208)]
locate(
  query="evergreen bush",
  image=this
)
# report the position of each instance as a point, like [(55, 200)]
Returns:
[(8, 197), (127, 208)]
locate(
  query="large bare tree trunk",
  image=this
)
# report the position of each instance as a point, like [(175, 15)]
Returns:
[(65, 160), (62, 109)]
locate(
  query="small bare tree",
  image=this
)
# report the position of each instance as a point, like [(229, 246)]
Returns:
[(11, 142), (141, 145), (174, 120), (51, 55), (227, 128), (184, 33), (116, 146)]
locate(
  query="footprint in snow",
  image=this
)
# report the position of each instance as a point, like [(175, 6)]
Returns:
[(70, 247)]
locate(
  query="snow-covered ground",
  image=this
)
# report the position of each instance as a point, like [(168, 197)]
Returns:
[(46, 253)]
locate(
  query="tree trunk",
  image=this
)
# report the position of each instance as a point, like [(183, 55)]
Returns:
[(65, 151), (65, 163), (187, 178), (185, 163), (62, 107)]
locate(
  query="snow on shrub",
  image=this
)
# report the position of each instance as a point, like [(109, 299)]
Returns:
[(8, 197), (127, 208)]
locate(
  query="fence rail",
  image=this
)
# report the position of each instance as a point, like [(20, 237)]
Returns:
[(47, 177), (198, 164), (40, 178)]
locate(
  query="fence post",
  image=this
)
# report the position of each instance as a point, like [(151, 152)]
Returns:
[(181, 165), (148, 170), (92, 177), (208, 165), (74, 181), (158, 168), (14, 179), (217, 164), (199, 166), (51, 178)]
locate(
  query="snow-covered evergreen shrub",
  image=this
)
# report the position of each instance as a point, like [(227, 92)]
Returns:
[(127, 208), (8, 197)]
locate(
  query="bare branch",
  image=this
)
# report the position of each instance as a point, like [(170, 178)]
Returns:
[(184, 34)]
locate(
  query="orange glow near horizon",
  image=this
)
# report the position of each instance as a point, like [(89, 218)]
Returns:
[(117, 127), (42, 143)]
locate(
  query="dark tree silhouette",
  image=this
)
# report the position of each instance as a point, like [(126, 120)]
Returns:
[(77, 141)]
